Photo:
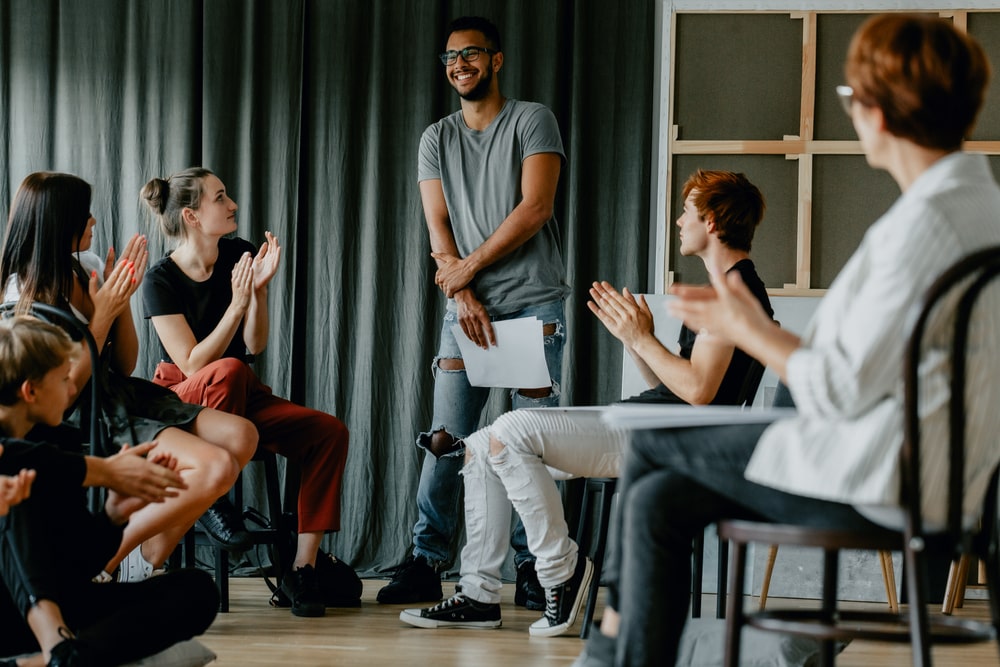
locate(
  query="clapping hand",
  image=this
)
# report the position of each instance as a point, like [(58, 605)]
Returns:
[(265, 264), (138, 476), (121, 278), (14, 488), (626, 316), (243, 282)]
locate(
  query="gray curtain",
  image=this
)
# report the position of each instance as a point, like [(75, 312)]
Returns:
[(310, 111)]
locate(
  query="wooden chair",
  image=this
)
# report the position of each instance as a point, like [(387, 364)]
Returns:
[(967, 279)]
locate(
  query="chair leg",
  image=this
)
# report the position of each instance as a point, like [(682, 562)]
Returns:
[(954, 590), (606, 490), (916, 575), (831, 561), (697, 572), (222, 577), (963, 579), (772, 555), (889, 577), (720, 600), (735, 616)]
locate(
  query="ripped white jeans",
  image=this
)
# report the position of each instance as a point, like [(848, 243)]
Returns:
[(540, 445)]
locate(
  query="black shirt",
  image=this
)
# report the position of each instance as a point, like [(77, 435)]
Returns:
[(739, 365)]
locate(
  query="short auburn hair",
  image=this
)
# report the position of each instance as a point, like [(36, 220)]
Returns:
[(928, 78), (731, 200)]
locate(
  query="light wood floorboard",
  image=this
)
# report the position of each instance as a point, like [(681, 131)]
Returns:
[(253, 633)]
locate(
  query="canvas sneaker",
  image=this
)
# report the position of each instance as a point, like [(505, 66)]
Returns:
[(136, 568), (563, 602), (457, 611)]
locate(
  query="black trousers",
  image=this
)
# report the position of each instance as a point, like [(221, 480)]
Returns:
[(51, 547)]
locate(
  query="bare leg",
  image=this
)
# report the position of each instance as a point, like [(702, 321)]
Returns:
[(45, 620), (306, 549), (234, 434), (208, 470)]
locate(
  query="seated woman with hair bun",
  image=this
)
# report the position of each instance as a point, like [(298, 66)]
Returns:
[(207, 301)]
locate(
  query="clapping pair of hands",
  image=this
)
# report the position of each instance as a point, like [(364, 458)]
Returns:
[(253, 273)]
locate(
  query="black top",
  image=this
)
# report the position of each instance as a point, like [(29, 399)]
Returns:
[(739, 365), (167, 290)]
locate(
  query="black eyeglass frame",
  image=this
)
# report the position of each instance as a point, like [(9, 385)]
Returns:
[(469, 54)]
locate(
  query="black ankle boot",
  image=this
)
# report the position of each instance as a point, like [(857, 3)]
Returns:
[(71, 652), (225, 527)]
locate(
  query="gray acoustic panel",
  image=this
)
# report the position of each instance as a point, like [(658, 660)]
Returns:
[(738, 76)]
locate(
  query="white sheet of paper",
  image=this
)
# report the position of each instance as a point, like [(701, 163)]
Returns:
[(516, 361), (639, 416)]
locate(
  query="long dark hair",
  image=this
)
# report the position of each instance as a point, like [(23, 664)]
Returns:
[(49, 213)]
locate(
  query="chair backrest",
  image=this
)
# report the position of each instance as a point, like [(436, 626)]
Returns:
[(77, 331), (961, 285)]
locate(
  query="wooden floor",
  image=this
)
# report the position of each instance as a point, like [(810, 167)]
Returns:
[(253, 633)]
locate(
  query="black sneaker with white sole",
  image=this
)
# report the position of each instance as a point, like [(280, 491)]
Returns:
[(457, 611), (563, 602)]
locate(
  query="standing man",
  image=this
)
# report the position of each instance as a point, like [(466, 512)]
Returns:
[(488, 176)]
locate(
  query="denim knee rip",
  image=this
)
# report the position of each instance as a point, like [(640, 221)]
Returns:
[(550, 400), (424, 442)]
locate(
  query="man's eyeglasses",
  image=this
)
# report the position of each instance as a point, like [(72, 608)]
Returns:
[(470, 54), (846, 95)]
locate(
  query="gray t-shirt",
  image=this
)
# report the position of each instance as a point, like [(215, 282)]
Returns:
[(480, 173)]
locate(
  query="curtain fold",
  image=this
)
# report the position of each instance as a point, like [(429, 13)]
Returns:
[(310, 111)]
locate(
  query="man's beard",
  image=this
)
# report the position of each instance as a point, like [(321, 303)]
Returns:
[(481, 89)]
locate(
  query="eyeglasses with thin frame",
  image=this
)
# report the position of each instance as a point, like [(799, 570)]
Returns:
[(470, 54), (846, 95)]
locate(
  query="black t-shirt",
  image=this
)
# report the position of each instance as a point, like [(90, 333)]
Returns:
[(56, 468), (739, 365), (166, 290)]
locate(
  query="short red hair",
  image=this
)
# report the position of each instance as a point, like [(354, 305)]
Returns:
[(731, 200), (927, 77)]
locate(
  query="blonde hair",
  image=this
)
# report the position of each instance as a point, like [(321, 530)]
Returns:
[(29, 349)]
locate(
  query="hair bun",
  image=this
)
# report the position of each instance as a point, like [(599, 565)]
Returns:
[(156, 193)]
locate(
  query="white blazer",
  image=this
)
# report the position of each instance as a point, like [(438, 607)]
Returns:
[(846, 377)]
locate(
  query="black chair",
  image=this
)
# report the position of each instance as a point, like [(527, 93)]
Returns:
[(963, 284), (265, 530)]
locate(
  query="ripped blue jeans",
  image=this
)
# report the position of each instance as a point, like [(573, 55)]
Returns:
[(458, 407)]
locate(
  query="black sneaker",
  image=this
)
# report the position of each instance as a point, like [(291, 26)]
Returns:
[(528, 593), (224, 526), (457, 611), (301, 586), (563, 602), (414, 581)]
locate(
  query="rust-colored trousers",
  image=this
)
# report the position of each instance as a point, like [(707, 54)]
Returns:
[(314, 440)]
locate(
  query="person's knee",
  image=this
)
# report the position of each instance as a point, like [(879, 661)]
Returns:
[(450, 364), (443, 443), (540, 392), (496, 447)]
